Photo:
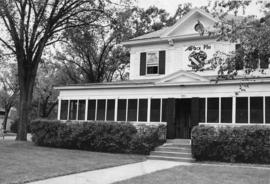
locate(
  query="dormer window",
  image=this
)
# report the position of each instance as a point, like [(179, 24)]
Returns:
[(152, 62)]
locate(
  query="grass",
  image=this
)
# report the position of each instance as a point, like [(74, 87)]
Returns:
[(205, 174), (22, 161)]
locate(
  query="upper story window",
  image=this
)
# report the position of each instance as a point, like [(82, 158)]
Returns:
[(152, 63)]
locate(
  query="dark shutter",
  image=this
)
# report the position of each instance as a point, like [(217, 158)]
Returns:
[(162, 58), (143, 63)]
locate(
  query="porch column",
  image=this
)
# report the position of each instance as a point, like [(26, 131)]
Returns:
[(195, 112), (170, 112), (59, 109)]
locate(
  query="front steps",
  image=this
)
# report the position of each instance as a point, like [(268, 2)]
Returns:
[(173, 150)]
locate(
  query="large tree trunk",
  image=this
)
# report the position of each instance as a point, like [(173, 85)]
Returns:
[(26, 80), (7, 110)]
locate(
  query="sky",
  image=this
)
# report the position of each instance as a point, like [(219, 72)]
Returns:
[(171, 5)]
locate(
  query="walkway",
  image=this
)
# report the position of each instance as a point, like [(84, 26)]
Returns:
[(114, 174)]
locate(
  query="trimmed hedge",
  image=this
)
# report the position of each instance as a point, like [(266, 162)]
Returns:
[(97, 136), (246, 144)]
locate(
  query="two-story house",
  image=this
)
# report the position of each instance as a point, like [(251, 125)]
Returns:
[(172, 81)]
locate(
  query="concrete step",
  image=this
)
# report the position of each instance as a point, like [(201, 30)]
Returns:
[(176, 145), (178, 159), (179, 141), (174, 149), (171, 154)]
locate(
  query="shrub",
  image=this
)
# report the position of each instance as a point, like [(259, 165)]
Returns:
[(95, 136), (14, 126), (248, 144)]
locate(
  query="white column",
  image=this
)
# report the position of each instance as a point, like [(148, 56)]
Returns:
[(264, 110), (126, 109), (161, 102), (115, 109), (59, 109), (206, 99), (96, 110), (86, 109), (148, 109), (77, 110), (106, 107), (138, 106), (219, 110), (68, 109), (248, 110), (233, 109)]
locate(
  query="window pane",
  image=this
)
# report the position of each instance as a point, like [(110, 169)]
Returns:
[(132, 110), (152, 69), (267, 109), (155, 110), (164, 106), (81, 112), (64, 110), (110, 110), (212, 110), (91, 109), (241, 110), (256, 109), (143, 110), (121, 112), (226, 110), (202, 110), (73, 110), (101, 109)]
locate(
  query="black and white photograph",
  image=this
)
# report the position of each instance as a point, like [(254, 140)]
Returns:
[(134, 91)]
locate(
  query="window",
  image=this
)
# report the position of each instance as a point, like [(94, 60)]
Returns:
[(213, 110), (226, 110), (91, 110), (132, 110), (101, 109), (152, 62), (110, 110), (121, 112), (155, 110), (242, 110), (64, 110), (164, 114), (256, 109), (143, 103), (202, 110), (73, 110), (81, 111)]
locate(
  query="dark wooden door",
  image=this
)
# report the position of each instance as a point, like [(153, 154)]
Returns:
[(183, 119)]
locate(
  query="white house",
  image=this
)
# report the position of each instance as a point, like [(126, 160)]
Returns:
[(172, 81)]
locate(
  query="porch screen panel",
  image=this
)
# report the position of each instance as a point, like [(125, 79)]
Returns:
[(101, 109), (132, 110), (213, 110), (143, 104), (91, 110), (73, 109), (226, 110), (242, 110), (121, 111), (202, 110), (256, 109), (110, 110), (64, 110), (155, 110), (164, 113), (267, 109), (81, 111)]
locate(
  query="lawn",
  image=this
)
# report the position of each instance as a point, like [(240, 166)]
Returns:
[(205, 174), (22, 161)]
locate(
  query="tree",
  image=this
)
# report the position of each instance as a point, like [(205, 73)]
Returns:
[(32, 25), (9, 92)]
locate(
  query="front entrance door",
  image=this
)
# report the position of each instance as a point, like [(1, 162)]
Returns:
[(183, 123)]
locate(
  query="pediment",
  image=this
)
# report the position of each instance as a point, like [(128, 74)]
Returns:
[(186, 25), (183, 77)]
